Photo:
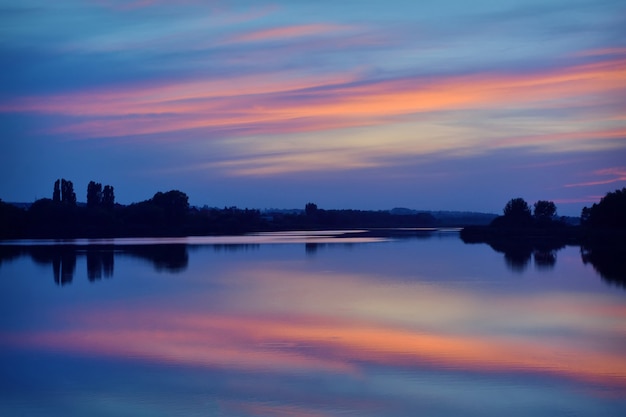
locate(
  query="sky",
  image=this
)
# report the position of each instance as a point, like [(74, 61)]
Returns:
[(430, 105)]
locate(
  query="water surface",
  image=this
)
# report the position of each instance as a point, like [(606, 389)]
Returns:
[(307, 325)]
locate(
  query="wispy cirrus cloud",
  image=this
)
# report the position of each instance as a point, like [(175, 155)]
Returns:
[(601, 52), (278, 101), (604, 176), (289, 32), (588, 199), (404, 116)]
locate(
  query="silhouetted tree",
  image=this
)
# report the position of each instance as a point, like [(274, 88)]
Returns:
[(68, 196), (310, 209), (545, 211), (585, 216), (94, 194), (108, 197), (517, 208), (175, 203), (609, 213), (516, 214), (56, 194), (12, 220)]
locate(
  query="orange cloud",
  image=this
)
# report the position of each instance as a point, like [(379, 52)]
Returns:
[(246, 106), (279, 99)]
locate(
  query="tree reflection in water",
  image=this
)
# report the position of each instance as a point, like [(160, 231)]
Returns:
[(62, 259), (545, 259), (99, 263), (100, 259), (606, 256), (518, 252), (165, 258), (607, 259)]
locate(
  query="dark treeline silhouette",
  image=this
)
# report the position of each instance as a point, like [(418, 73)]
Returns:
[(169, 214), (604, 237), (315, 218), (165, 214), (521, 234), (609, 213), (605, 220), (519, 223)]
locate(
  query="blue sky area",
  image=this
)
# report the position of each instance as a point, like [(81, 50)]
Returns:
[(448, 105)]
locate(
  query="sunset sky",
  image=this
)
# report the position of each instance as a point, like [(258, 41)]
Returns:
[(435, 105)]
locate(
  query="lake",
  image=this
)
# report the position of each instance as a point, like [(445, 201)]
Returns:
[(307, 324)]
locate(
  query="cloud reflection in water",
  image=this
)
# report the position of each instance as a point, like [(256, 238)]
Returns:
[(285, 321)]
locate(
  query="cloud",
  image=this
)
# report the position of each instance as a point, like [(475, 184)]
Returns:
[(275, 123), (588, 199), (601, 52), (614, 174), (288, 32), (276, 99)]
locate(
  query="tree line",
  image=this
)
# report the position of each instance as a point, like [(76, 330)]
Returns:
[(170, 214), (520, 232), (608, 214)]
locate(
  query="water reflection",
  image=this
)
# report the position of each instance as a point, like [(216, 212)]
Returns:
[(401, 328), (311, 248), (609, 261), (545, 259), (99, 264), (61, 258), (99, 259), (519, 251), (165, 258), (606, 257), (235, 247), (173, 257)]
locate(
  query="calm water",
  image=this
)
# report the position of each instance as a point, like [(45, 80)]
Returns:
[(293, 325)]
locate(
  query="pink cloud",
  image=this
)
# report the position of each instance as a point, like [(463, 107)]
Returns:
[(588, 199), (127, 5), (601, 52), (276, 410), (615, 174), (281, 104), (288, 32)]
